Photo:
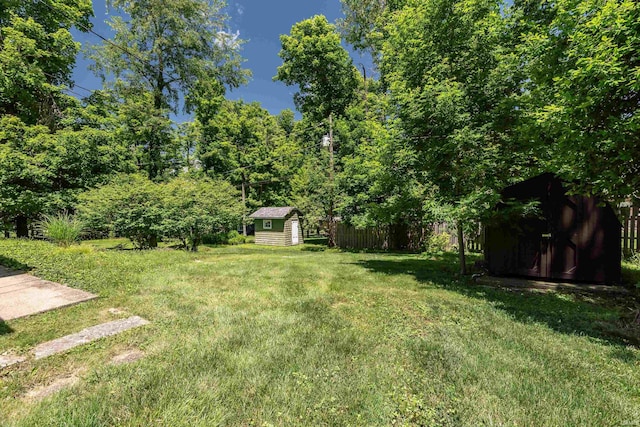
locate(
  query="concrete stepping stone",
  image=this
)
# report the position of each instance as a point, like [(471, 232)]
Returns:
[(8, 360), (86, 336)]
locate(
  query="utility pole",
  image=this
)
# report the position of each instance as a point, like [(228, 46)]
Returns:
[(332, 228), (244, 207)]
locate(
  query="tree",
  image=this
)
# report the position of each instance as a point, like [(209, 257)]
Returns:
[(43, 171), (315, 61), (442, 62), (37, 55), (168, 55), (365, 21), (243, 143), (582, 90)]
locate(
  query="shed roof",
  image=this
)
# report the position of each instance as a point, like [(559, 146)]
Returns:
[(273, 213)]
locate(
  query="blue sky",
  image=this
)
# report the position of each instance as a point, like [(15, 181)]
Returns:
[(260, 22)]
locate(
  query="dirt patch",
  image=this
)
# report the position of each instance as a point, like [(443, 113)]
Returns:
[(58, 384), (127, 357), (116, 312)]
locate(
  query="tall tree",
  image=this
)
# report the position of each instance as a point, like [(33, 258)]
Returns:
[(37, 55), (244, 144), (51, 146), (315, 61), (441, 61), (582, 89), (169, 56), (365, 21)]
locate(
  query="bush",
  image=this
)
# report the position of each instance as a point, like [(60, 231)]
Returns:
[(63, 229), (230, 238), (130, 206), (214, 239), (235, 238), (193, 208), (438, 242), (189, 210)]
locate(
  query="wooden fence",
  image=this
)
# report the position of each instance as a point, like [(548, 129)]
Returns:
[(630, 238), (382, 238), (399, 237)]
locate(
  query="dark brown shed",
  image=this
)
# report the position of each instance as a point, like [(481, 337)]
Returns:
[(572, 237)]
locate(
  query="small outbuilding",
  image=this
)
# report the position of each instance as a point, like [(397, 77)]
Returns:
[(568, 237), (278, 226)]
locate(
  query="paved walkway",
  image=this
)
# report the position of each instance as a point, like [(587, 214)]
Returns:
[(23, 295)]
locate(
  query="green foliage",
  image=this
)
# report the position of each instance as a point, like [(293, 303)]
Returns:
[(438, 242), (179, 54), (247, 146), (130, 206), (193, 208), (43, 171), (235, 238), (581, 89), (143, 211), (63, 229), (314, 60), (37, 55)]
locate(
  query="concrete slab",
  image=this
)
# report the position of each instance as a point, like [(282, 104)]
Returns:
[(86, 336), (519, 283), (22, 295)]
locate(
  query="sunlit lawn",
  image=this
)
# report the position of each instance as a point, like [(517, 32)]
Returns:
[(249, 335)]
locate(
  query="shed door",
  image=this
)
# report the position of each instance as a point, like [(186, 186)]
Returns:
[(534, 250), (565, 239), (294, 232)]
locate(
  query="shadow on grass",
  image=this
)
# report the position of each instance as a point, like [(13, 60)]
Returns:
[(14, 265), (4, 328), (600, 316), (316, 241)]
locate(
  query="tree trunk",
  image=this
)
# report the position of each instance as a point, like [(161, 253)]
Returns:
[(22, 227), (463, 264), (153, 241), (244, 207)]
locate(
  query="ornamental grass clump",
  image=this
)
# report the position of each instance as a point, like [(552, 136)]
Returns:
[(62, 229)]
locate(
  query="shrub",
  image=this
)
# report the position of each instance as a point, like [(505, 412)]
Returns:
[(63, 229), (235, 238), (214, 238), (130, 206), (193, 208), (438, 242), (185, 209)]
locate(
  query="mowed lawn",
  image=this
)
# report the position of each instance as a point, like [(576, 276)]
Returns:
[(253, 336)]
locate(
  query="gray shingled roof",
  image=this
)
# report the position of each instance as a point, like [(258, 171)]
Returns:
[(273, 213)]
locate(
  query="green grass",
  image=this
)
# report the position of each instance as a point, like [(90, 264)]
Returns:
[(257, 336)]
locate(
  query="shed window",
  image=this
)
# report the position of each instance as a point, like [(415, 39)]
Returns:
[(266, 224)]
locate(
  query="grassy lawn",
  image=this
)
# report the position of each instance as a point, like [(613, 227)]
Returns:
[(257, 336)]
